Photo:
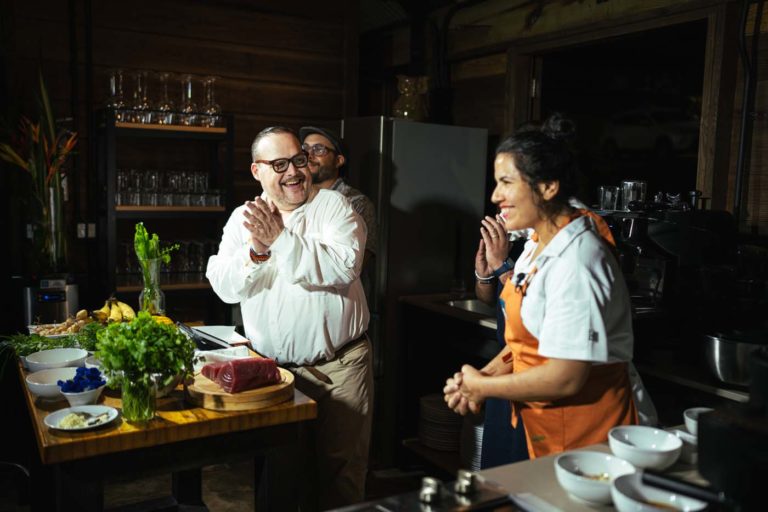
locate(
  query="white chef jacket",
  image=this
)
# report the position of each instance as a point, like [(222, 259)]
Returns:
[(577, 303), (306, 301)]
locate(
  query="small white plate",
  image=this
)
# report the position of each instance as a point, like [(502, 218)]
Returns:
[(53, 419)]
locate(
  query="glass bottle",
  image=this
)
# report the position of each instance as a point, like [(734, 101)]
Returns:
[(188, 111), (151, 298)]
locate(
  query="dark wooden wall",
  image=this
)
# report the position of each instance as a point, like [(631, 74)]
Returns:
[(290, 62)]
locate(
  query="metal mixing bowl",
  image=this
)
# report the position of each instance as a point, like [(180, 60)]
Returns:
[(728, 357)]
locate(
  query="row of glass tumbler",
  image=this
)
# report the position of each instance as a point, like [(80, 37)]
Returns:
[(188, 263), (138, 187), (141, 107)]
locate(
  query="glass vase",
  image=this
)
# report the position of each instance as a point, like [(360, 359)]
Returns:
[(151, 298), (139, 399)]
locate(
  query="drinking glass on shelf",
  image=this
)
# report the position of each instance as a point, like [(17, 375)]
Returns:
[(200, 181), (212, 198), (211, 110), (152, 180), (142, 109), (188, 115), (165, 198), (116, 101), (165, 107)]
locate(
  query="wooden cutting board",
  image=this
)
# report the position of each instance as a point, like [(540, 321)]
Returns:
[(209, 395)]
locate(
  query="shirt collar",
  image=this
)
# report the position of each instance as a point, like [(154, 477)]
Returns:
[(565, 236)]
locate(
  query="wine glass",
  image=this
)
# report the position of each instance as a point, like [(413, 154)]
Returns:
[(165, 106), (115, 101), (188, 111), (142, 109), (211, 109)]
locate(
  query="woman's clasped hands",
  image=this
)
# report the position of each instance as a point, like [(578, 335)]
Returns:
[(461, 392)]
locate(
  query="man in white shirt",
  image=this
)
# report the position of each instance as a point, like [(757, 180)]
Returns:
[(292, 259)]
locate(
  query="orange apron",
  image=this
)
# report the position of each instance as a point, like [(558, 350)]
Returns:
[(585, 418)]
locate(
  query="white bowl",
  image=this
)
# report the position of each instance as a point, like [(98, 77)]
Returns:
[(645, 447), (691, 417), (690, 452), (56, 358), (89, 396), (43, 383), (630, 494), (579, 473)]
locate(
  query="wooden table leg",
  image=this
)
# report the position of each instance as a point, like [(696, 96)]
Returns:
[(187, 487)]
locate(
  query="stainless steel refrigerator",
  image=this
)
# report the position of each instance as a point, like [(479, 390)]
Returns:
[(428, 184)]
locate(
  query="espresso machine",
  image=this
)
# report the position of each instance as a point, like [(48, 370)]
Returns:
[(52, 300)]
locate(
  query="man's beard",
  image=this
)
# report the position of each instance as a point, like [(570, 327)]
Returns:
[(324, 173)]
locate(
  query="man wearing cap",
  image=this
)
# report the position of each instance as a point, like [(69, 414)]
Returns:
[(327, 164), (292, 259)]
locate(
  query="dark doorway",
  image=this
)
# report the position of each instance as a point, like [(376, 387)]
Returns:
[(636, 101)]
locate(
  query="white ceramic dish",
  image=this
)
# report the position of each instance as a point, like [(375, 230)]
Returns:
[(44, 383), (89, 396), (56, 358), (691, 417), (92, 362), (53, 419), (645, 447), (587, 475), (631, 495)]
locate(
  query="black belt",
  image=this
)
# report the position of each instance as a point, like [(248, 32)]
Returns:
[(341, 351)]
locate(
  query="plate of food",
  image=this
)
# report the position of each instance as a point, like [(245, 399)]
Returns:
[(47, 330), (81, 417)]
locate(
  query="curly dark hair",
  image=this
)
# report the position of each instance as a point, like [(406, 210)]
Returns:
[(545, 155)]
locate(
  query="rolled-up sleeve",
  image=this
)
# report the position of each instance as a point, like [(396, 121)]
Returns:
[(331, 257)]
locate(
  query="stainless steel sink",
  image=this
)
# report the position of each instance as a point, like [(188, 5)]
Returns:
[(473, 306)]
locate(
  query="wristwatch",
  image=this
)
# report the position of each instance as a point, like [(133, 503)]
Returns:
[(504, 268)]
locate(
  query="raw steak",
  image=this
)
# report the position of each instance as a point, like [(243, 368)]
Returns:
[(212, 370), (244, 374)]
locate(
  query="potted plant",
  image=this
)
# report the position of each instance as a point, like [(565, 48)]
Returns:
[(137, 354), (41, 149), (151, 257)]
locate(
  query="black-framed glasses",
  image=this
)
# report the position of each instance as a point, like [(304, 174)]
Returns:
[(317, 149), (280, 165)]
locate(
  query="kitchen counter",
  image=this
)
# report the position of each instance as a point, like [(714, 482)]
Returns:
[(534, 484), (680, 371)]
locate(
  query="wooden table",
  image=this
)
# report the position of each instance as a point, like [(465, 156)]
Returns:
[(180, 439)]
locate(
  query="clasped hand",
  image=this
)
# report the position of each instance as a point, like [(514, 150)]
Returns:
[(264, 222), (493, 248), (460, 391)]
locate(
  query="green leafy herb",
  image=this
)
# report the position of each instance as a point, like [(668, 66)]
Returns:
[(148, 247), (142, 348), (25, 344)]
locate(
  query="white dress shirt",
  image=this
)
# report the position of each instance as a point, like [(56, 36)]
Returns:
[(306, 301), (577, 303)]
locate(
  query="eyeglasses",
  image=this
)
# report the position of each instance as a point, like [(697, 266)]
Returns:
[(317, 149), (280, 165)]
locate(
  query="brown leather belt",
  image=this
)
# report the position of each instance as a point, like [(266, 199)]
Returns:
[(343, 350)]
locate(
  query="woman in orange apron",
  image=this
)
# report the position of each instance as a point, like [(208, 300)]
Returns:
[(568, 317)]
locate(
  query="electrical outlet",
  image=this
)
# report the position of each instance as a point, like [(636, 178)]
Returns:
[(81, 230), (91, 230)]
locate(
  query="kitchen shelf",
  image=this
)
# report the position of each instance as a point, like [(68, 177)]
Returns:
[(443, 460), (693, 378), (169, 148)]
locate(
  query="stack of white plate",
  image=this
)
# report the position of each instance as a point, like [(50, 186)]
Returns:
[(471, 447), (439, 427)]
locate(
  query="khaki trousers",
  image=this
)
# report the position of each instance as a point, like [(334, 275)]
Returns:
[(340, 437)]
